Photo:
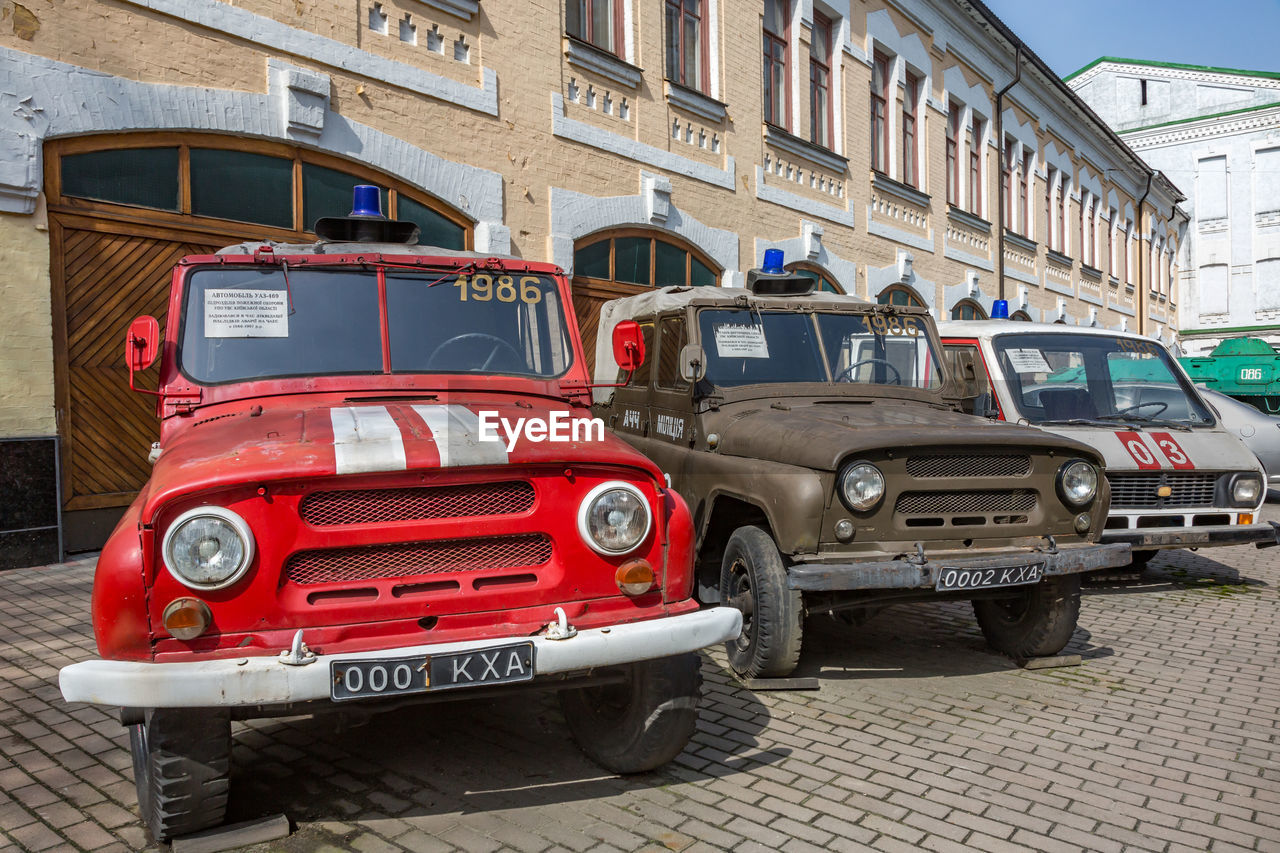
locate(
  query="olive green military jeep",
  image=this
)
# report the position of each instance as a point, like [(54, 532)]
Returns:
[(809, 433)]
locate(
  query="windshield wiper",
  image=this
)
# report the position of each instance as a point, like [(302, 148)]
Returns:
[(1130, 420), (1098, 421)]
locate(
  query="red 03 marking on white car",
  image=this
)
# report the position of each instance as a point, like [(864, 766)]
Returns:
[(1148, 459), (1138, 449), (1173, 451)]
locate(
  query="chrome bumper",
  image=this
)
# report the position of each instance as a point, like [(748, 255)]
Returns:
[(267, 681)]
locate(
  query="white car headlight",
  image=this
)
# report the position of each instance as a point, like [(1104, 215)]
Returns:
[(614, 518), (1245, 490), (208, 547), (861, 486), (1077, 482)]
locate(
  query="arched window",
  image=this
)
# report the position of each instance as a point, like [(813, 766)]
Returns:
[(637, 256), (967, 309), (1021, 316), (822, 280), (260, 189), (610, 264), (900, 294)]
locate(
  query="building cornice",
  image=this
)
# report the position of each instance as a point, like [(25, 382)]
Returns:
[(1204, 128)]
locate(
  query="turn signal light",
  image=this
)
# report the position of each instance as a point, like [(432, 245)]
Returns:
[(1245, 518), (186, 618), (635, 577)]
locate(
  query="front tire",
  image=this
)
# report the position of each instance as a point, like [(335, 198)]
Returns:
[(753, 578), (181, 769), (1038, 622), (1122, 574), (642, 723)]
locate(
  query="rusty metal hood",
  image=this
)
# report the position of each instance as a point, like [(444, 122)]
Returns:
[(820, 435)]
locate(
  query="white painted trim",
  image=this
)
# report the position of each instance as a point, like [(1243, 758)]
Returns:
[(813, 207), (604, 140), (43, 99), (966, 258), (269, 33), (899, 235)]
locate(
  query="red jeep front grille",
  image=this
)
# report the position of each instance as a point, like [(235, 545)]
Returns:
[(417, 558), (373, 506)]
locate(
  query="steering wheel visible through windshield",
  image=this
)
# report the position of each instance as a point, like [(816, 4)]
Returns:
[(750, 347), (1083, 378)]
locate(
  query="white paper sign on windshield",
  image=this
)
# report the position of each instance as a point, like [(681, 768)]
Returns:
[(246, 314), (1028, 361), (734, 340)]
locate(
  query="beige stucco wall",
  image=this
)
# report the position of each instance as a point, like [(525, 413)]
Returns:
[(26, 330)]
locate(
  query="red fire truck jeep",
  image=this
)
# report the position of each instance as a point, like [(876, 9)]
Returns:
[(378, 481)]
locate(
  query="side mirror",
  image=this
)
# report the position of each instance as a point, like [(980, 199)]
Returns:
[(628, 345), (693, 363), (141, 346)]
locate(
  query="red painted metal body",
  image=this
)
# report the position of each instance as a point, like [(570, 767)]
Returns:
[(327, 544)]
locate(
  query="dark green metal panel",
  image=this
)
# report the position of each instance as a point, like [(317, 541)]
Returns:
[(1245, 368)]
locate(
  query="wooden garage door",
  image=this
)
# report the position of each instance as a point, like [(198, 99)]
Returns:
[(105, 275), (122, 211)]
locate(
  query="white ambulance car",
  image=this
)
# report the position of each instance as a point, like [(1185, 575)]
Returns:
[(1178, 478)]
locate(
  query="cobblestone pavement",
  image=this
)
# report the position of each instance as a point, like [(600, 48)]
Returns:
[(1165, 738)]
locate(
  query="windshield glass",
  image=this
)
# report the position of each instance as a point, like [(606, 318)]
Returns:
[(254, 322), (746, 347), (1055, 378)]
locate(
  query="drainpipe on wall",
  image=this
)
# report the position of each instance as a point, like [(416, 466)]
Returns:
[(1142, 286), (1001, 165)]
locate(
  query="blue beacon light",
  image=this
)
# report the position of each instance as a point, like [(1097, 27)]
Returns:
[(366, 201), (772, 262), (1000, 309)]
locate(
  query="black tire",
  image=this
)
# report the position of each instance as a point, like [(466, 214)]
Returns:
[(642, 723), (753, 578), (1139, 560), (1122, 574), (1038, 622), (182, 769)]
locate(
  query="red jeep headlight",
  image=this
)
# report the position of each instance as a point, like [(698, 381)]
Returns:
[(614, 518), (208, 547)]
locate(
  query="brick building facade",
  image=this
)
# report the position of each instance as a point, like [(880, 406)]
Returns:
[(631, 143)]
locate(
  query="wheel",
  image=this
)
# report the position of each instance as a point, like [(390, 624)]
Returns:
[(1037, 623), (753, 578), (181, 768), (1140, 559), (1121, 574), (641, 723)]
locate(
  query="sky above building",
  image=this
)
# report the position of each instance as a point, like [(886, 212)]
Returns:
[(1224, 33)]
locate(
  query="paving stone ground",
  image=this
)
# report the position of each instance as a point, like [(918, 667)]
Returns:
[(1165, 739)]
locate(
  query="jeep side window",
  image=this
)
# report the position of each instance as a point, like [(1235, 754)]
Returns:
[(672, 338)]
